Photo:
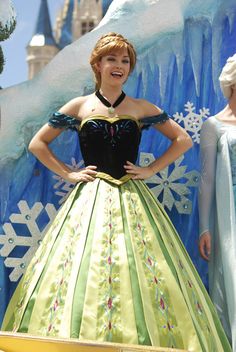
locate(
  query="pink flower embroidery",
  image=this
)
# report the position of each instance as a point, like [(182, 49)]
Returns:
[(56, 304), (112, 131), (199, 307), (190, 285), (162, 304), (155, 280), (109, 303)]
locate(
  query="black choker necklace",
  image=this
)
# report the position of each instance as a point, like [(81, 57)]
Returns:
[(111, 108)]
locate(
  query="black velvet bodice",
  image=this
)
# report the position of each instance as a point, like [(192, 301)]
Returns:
[(108, 145)]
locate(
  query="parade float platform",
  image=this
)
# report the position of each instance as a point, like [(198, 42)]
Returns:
[(17, 342)]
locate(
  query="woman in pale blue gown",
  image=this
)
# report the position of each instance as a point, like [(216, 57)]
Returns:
[(217, 202)]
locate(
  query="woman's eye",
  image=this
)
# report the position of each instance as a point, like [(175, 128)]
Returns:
[(126, 61), (110, 59)]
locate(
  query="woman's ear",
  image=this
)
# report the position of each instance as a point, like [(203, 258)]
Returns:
[(97, 66)]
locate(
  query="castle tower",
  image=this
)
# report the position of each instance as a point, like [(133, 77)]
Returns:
[(42, 47), (75, 18), (78, 17), (87, 14)]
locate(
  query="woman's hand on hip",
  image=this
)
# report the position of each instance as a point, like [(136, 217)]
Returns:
[(139, 173), (87, 174)]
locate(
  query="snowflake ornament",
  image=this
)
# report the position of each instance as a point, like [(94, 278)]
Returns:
[(168, 185), (192, 121), (11, 239), (64, 186)]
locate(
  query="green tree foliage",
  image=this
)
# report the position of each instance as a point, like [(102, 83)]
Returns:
[(7, 25), (2, 61)]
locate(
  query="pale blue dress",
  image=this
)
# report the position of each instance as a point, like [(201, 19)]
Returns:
[(217, 204)]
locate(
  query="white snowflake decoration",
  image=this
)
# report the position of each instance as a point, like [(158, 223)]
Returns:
[(65, 186), (174, 192), (11, 239), (192, 121)]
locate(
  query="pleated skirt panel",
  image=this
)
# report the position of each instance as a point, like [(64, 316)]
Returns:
[(112, 268)]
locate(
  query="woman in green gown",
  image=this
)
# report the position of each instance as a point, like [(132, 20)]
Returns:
[(112, 267)]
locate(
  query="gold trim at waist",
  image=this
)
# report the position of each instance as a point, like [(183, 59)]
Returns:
[(113, 180)]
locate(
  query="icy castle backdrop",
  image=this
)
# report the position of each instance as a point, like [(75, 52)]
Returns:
[(182, 46)]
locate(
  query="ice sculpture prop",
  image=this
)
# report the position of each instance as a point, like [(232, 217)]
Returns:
[(182, 46)]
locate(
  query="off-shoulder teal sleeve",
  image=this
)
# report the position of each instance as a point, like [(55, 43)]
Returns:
[(153, 120), (59, 120)]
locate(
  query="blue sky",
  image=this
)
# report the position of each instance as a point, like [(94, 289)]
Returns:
[(14, 48)]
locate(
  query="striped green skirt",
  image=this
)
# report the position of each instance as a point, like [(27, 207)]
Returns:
[(112, 268)]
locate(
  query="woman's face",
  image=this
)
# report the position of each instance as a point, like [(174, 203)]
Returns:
[(114, 67)]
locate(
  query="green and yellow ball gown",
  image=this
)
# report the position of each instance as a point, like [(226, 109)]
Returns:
[(112, 267)]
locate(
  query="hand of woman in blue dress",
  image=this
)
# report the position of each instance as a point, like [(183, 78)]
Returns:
[(87, 174), (139, 173), (205, 245)]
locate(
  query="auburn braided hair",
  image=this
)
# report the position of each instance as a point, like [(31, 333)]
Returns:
[(110, 42)]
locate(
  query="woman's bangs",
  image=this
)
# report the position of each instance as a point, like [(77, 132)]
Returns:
[(111, 47)]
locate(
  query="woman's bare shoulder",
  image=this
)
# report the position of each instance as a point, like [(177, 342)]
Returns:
[(72, 107), (145, 108)]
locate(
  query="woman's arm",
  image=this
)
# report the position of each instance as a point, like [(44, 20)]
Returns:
[(39, 146), (180, 143), (208, 153)]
